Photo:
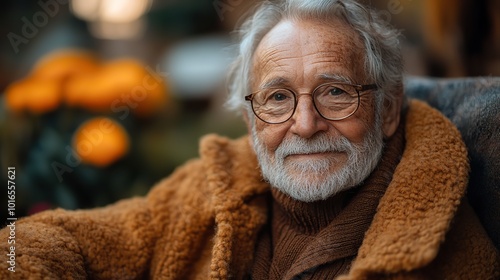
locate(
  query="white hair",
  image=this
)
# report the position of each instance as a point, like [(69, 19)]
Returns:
[(383, 60)]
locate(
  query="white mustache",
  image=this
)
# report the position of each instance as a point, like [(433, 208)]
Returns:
[(319, 144)]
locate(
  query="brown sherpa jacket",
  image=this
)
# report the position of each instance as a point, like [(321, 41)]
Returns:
[(202, 222)]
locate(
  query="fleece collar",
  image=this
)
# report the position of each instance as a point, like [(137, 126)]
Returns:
[(416, 211)]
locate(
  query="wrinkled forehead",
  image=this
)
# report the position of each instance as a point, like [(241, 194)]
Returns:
[(294, 47)]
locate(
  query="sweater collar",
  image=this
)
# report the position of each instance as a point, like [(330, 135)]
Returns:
[(308, 217)]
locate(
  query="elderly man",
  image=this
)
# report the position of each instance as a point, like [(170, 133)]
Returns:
[(340, 176)]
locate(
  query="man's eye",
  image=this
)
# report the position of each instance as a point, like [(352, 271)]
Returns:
[(279, 96), (335, 91)]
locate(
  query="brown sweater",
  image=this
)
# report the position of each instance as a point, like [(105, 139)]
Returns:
[(203, 221), (319, 240)]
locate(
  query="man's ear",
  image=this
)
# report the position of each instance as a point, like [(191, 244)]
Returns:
[(392, 115)]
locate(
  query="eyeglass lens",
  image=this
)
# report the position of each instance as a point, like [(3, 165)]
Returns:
[(333, 101)]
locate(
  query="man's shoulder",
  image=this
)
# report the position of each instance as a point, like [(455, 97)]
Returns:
[(214, 143)]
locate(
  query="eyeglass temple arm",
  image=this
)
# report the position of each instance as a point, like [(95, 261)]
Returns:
[(367, 87)]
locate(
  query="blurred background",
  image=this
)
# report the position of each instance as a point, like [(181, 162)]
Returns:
[(100, 99)]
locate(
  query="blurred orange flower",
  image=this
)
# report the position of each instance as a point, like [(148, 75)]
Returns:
[(80, 80), (34, 95), (63, 64), (100, 141), (42, 90), (122, 82)]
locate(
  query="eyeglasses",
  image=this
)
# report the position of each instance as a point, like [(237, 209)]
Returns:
[(333, 101)]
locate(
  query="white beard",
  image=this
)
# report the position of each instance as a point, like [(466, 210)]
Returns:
[(312, 180)]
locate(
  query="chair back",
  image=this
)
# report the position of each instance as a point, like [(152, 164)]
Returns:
[(473, 105)]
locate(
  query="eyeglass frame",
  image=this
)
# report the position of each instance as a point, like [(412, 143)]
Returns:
[(357, 87)]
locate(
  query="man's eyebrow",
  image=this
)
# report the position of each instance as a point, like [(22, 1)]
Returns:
[(275, 82), (282, 82), (334, 78)]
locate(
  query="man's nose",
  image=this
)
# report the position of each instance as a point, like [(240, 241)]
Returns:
[(306, 120)]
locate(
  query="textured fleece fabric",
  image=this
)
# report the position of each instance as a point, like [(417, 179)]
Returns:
[(202, 222)]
